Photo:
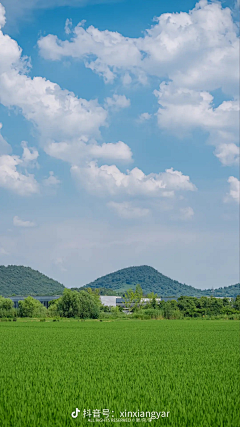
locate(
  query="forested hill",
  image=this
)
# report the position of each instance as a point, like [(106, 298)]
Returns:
[(228, 291), (153, 281), (19, 280), (149, 279)]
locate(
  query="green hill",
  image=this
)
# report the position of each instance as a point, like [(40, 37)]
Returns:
[(228, 291), (153, 281), (149, 279), (19, 280)]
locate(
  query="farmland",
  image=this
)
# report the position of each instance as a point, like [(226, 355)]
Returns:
[(188, 368)]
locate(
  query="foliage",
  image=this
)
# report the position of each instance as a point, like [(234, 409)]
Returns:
[(87, 304), (6, 308), (152, 281), (30, 307), (78, 304), (237, 303), (196, 307), (148, 313), (132, 299), (189, 368), (19, 280)]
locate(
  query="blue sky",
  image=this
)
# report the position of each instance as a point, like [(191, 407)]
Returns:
[(119, 138)]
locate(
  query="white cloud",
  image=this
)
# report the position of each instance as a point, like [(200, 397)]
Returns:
[(127, 210), (12, 179), (228, 154), (30, 155), (5, 148), (18, 222), (144, 117), (234, 191), (76, 151), (56, 113), (197, 50), (182, 110), (68, 26), (110, 180), (67, 126), (52, 180), (126, 79), (2, 16), (117, 102)]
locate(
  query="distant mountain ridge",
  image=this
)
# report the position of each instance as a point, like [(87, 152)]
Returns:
[(19, 280), (153, 281)]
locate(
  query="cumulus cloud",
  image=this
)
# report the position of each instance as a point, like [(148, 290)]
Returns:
[(56, 113), (66, 123), (5, 148), (234, 191), (2, 16), (127, 210), (12, 179), (144, 117), (67, 127), (197, 52), (18, 222), (228, 154), (182, 110), (52, 180), (199, 48), (30, 155), (68, 26), (117, 102), (110, 180), (77, 151)]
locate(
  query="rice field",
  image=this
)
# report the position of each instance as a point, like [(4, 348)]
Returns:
[(188, 369)]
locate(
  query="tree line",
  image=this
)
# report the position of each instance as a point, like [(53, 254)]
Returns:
[(86, 304), (83, 305)]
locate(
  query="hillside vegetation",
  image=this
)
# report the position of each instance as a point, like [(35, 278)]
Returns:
[(153, 281), (19, 280)]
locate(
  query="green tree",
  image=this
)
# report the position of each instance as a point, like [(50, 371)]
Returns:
[(128, 298), (187, 305), (152, 300), (236, 303), (30, 307), (78, 304), (171, 310), (133, 299), (6, 307)]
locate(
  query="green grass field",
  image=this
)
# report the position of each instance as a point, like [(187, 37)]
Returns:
[(188, 368)]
